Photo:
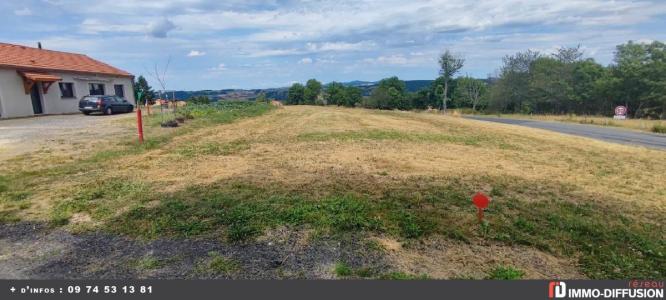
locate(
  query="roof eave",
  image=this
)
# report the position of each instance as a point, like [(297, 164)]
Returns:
[(64, 70)]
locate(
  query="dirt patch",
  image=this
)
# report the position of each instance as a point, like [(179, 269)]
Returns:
[(33, 251), (448, 259)]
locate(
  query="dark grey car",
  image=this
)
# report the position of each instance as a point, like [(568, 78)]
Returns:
[(104, 104)]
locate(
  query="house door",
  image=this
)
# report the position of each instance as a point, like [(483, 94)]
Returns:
[(36, 99)]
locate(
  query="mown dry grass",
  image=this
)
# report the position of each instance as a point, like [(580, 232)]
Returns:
[(634, 124), (399, 174)]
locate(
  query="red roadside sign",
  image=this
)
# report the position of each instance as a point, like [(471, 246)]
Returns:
[(620, 110)]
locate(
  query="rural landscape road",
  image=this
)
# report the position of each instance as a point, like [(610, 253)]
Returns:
[(609, 134)]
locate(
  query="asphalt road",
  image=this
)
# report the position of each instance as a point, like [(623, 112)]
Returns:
[(608, 134)]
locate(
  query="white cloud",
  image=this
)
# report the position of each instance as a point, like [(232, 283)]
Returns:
[(219, 67), (339, 46), (161, 28), (272, 52), (96, 26), (414, 59), (23, 12), (305, 61), (195, 53)]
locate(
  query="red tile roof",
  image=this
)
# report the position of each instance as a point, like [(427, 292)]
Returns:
[(22, 57)]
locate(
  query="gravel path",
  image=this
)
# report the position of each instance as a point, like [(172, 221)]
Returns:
[(18, 136), (609, 134)]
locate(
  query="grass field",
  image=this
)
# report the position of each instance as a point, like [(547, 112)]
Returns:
[(562, 206), (658, 126)]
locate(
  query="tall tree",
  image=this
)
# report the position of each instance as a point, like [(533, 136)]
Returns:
[(141, 86), (312, 91), (295, 95), (512, 91), (335, 93), (389, 94), (449, 64), (353, 96), (470, 91), (640, 69)]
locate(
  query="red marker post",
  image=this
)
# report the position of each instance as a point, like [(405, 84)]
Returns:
[(481, 201), (139, 119), (139, 124)]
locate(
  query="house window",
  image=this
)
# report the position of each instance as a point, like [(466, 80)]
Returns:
[(96, 89), (66, 89), (120, 92)]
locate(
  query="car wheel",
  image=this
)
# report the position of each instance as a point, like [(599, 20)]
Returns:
[(108, 111), (86, 113)]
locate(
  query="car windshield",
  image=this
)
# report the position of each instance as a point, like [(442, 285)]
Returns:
[(90, 98)]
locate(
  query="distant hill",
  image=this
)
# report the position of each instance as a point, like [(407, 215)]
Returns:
[(281, 93)]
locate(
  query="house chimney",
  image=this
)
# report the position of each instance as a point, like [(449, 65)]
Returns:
[(39, 45)]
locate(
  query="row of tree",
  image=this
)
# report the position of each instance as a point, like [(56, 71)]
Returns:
[(528, 82), (566, 82), (390, 93)]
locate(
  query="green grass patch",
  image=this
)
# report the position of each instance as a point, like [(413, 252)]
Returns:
[(244, 212), (380, 135), (505, 273), (607, 243), (217, 264), (100, 199), (214, 148), (149, 262), (9, 216), (343, 270)]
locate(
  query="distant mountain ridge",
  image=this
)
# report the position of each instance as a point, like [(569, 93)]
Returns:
[(282, 92)]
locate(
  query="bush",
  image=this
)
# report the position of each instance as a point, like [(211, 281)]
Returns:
[(659, 128), (199, 100)]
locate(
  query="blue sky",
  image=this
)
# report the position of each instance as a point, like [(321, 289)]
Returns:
[(259, 44)]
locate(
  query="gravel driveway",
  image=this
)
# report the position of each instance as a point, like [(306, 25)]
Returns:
[(19, 136)]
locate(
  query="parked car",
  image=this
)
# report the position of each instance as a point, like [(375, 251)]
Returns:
[(104, 104)]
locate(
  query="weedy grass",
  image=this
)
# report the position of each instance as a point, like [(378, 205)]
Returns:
[(149, 262), (342, 270), (608, 245), (381, 135), (101, 199), (217, 264), (505, 273), (659, 128)]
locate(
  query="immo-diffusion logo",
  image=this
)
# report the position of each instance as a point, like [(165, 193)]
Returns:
[(557, 289), (635, 290)]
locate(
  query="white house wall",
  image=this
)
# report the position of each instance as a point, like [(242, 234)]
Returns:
[(14, 102)]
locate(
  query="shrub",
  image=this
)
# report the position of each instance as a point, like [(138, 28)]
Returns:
[(505, 273), (659, 128)]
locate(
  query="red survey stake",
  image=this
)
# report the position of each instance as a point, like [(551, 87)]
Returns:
[(481, 201)]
